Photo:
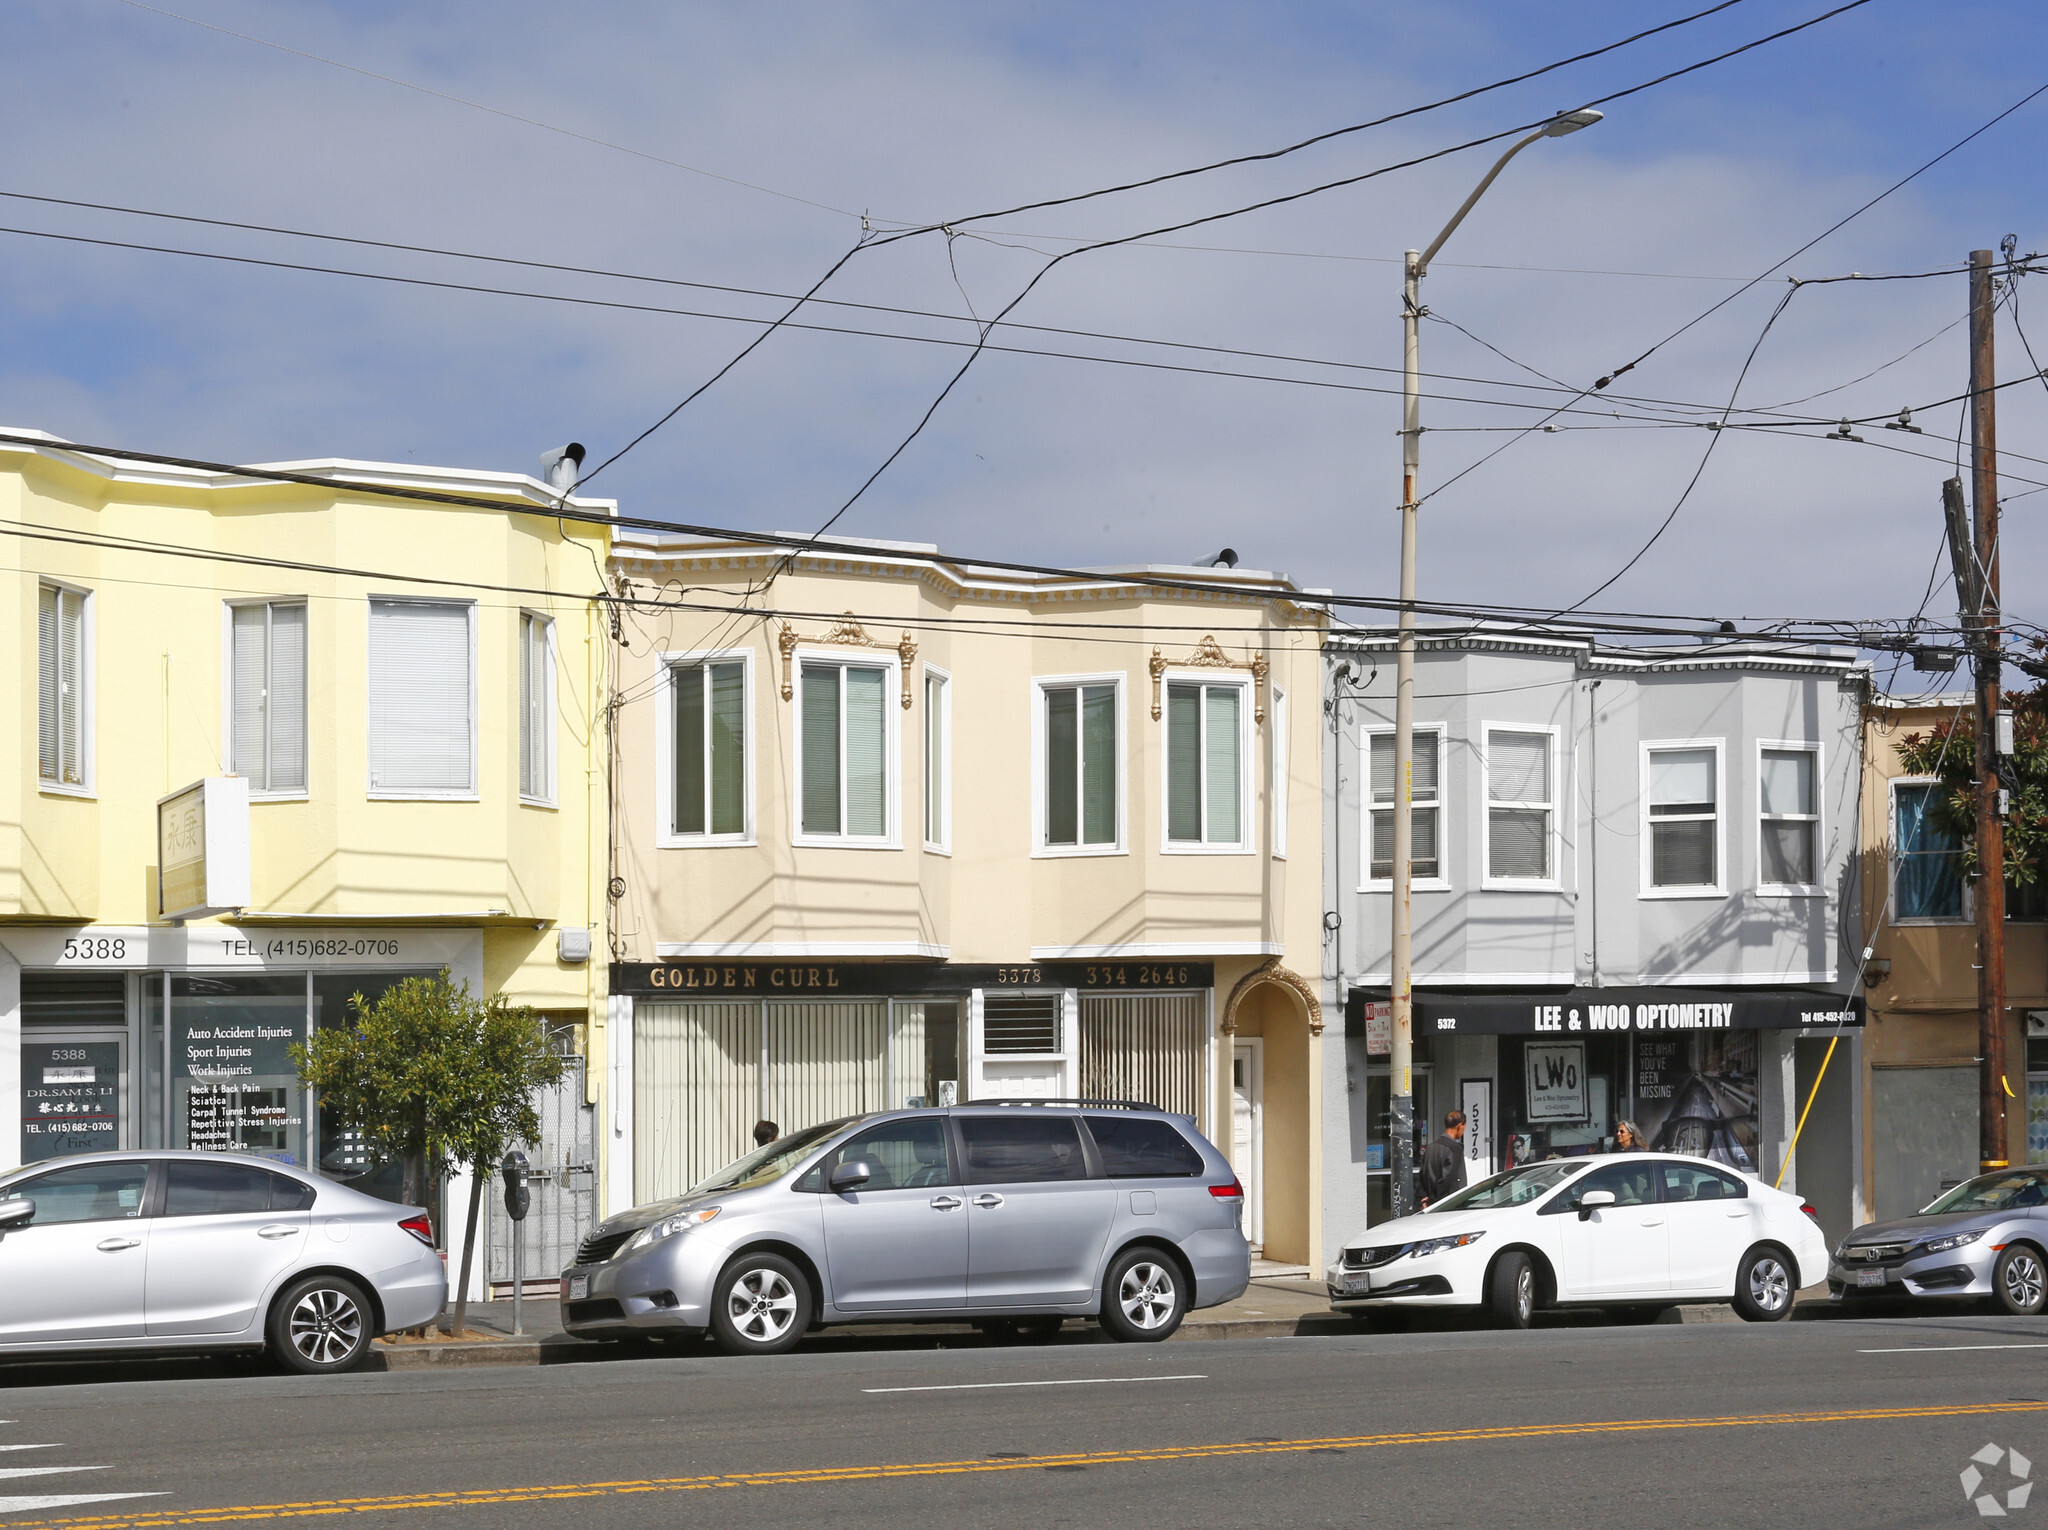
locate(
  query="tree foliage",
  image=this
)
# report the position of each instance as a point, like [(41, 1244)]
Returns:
[(433, 1076), (1948, 753)]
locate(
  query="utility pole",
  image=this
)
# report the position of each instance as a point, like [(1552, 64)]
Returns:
[(1982, 628), (1400, 976)]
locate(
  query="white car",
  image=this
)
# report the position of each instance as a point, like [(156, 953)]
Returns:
[(197, 1251), (1633, 1231)]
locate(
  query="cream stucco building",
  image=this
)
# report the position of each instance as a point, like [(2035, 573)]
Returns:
[(388, 708), (905, 830)]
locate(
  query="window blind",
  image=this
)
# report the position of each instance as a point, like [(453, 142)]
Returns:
[(1518, 767), (866, 765), (533, 707), (286, 722), (60, 694), (1787, 781), (935, 783), (420, 668), (1518, 837), (1224, 766), (1682, 781)]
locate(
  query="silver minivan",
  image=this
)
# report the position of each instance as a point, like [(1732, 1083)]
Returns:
[(1012, 1215)]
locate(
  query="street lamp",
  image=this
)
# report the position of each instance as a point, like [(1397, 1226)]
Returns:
[(1401, 1123)]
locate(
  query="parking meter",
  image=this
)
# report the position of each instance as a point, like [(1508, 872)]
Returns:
[(518, 1198)]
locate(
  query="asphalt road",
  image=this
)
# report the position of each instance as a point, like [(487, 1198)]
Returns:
[(1864, 1424)]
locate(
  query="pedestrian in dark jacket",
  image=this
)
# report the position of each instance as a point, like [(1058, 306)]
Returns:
[(1443, 1161)]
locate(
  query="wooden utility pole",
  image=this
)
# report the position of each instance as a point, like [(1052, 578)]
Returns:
[(1982, 627)]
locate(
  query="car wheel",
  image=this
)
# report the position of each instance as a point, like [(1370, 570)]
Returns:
[(1511, 1291), (322, 1325), (1636, 1315), (1144, 1297), (1764, 1284), (761, 1305), (2021, 1280)]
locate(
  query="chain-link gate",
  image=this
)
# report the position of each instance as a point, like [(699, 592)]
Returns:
[(564, 1184)]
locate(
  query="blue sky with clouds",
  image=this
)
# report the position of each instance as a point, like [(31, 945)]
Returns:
[(929, 112)]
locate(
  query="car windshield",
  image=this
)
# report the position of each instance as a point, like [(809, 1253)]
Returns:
[(1511, 1188), (770, 1162), (1994, 1192)]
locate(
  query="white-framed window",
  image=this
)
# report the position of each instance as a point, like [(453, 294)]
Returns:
[(1520, 770), (846, 750), (1428, 857), (1928, 885), (1788, 794), (422, 698), (266, 711), (1208, 765), (703, 765), (64, 689), (1077, 732), (938, 760), (1682, 793), (536, 709), (1278, 721)]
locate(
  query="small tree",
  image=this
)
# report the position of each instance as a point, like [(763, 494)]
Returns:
[(1948, 752), (435, 1077)]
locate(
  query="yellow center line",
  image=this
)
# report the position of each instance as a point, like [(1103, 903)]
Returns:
[(162, 1519)]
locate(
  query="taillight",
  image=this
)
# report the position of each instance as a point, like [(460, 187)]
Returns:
[(421, 1228), (1230, 1192), (1810, 1212)]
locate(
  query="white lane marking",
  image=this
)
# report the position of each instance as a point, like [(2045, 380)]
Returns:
[(986, 1386), (47, 1471), (1944, 1349), (64, 1500)]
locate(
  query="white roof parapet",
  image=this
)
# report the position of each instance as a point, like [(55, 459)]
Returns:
[(343, 471)]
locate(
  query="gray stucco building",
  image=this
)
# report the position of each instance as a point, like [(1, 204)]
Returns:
[(1635, 899)]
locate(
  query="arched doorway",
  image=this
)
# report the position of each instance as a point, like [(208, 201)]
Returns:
[(1272, 1027)]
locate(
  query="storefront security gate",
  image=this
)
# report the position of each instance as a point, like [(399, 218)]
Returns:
[(564, 1184)]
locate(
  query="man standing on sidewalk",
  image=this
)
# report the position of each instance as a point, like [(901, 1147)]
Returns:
[(1443, 1162)]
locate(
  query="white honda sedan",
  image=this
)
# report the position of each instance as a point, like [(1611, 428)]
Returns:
[(1635, 1232)]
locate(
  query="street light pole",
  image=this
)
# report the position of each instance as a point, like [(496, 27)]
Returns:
[(1401, 1116)]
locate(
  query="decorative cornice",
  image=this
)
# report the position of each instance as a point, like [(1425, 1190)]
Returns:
[(847, 632), (1209, 654)]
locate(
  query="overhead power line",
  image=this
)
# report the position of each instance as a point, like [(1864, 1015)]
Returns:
[(1629, 623)]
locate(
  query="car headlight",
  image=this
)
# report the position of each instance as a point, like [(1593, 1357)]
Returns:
[(1948, 1241), (1430, 1246), (668, 1227)]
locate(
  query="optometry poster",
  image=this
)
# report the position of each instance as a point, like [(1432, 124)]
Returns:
[(1698, 1094), (1557, 1081)]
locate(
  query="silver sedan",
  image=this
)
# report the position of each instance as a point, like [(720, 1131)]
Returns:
[(1986, 1237), (189, 1251)]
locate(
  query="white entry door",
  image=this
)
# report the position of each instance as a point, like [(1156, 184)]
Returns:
[(1475, 1103), (1248, 1132)]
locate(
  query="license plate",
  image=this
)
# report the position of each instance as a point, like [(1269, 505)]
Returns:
[(1870, 1277), (1357, 1285), (579, 1287)]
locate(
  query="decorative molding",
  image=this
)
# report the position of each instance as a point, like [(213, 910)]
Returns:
[(786, 640), (847, 632), (1209, 654), (907, 650), (1270, 971)]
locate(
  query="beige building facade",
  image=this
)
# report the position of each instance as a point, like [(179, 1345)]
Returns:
[(908, 831), (1920, 1071)]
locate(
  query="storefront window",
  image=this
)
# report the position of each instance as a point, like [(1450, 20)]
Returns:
[(233, 1085), (2037, 1099), (344, 1154)]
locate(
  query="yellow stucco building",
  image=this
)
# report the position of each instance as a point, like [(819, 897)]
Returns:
[(390, 709), (916, 831)]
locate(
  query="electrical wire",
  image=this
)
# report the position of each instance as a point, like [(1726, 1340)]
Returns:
[(1832, 228)]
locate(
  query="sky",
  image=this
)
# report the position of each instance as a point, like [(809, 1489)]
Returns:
[(739, 146)]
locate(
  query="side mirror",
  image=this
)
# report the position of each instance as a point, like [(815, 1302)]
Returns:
[(850, 1175), (18, 1212), (1592, 1201)]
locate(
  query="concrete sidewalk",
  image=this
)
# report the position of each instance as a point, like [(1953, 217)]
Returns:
[(1275, 1307)]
